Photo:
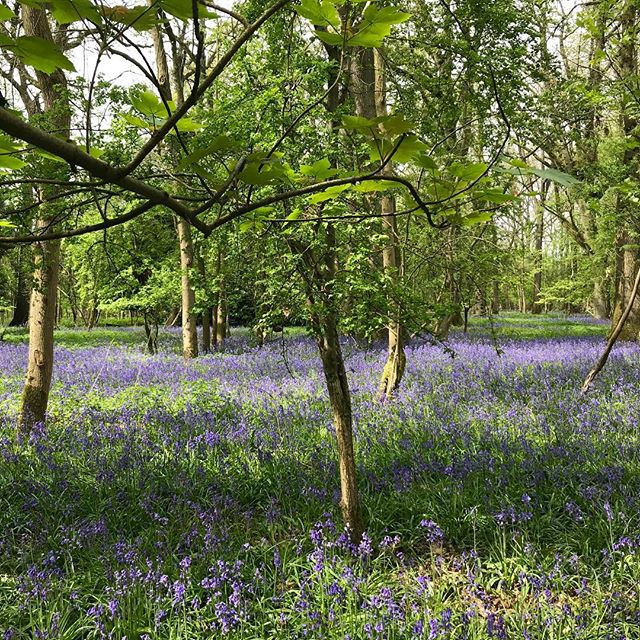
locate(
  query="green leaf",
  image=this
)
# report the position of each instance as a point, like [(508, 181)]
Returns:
[(187, 125), (220, 144), (426, 162), (555, 175), (494, 195), (49, 156), (7, 223), (333, 39), (262, 172), (476, 218), (368, 186), (408, 149), (6, 13), (148, 103), (322, 13), (328, 194), (68, 11), (38, 53), (11, 162), (468, 172), (376, 26), (395, 125), (183, 9), (294, 215), (8, 145), (136, 121), (321, 169), (254, 221)]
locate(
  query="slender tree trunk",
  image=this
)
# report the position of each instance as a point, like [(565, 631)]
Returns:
[(206, 314), (189, 321), (221, 321), (221, 307), (340, 399), (391, 258), (536, 307), (206, 330), (151, 332), (396, 358), (318, 273), (214, 325), (185, 241), (42, 310), (619, 327)]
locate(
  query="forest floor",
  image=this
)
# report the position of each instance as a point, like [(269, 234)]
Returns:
[(170, 500)]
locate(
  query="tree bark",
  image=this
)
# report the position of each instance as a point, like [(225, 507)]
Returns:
[(340, 398), (206, 314), (601, 308), (221, 306), (536, 307), (189, 325), (318, 273), (42, 310)]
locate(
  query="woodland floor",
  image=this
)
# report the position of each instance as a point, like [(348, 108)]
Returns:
[(172, 500)]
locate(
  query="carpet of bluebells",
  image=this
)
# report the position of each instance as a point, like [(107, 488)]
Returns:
[(170, 500)]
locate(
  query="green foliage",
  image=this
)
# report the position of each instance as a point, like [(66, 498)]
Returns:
[(37, 53), (370, 29)]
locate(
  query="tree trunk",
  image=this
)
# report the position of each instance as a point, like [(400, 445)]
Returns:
[(600, 306), (151, 332), (536, 307), (42, 316), (206, 330), (42, 310), (206, 314), (189, 324), (189, 321), (318, 273), (340, 399), (221, 321), (396, 358), (214, 326), (221, 306)]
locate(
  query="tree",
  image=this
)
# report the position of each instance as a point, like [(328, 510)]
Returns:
[(42, 312)]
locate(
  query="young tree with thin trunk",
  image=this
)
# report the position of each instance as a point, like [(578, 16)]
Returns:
[(183, 228)]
